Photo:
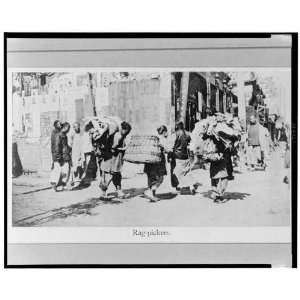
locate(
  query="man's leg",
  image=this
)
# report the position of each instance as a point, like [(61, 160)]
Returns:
[(65, 170), (153, 180), (55, 175), (257, 154), (224, 184), (76, 176), (105, 180), (87, 158), (117, 181), (214, 187), (179, 172), (282, 146), (229, 167), (251, 157), (159, 181)]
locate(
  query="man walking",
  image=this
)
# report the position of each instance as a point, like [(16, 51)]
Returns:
[(56, 152), (181, 159), (253, 143), (112, 161), (66, 161), (77, 156)]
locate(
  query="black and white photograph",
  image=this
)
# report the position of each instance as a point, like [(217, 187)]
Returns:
[(176, 148), (191, 148)]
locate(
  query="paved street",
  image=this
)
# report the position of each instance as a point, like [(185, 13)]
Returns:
[(258, 198)]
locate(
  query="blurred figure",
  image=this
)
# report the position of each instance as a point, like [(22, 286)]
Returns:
[(287, 165), (282, 139), (254, 154), (264, 140), (17, 168)]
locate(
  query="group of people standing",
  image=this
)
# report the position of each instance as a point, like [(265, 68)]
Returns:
[(71, 156)]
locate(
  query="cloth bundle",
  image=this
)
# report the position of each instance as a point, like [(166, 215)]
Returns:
[(210, 152), (143, 149), (215, 129), (101, 125)]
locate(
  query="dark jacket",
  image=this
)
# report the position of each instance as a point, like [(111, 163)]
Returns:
[(65, 148), (180, 149), (56, 149)]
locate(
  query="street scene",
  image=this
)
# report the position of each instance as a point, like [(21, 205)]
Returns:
[(151, 148)]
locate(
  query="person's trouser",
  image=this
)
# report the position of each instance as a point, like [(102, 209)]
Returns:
[(219, 185), (76, 173), (282, 147), (17, 168), (55, 173), (181, 175), (90, 167), (106, 179), (154, 180), (65, 173), (254, 155), (229, 167)]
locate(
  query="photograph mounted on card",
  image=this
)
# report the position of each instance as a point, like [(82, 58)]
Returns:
[(178, 147), (145, 156)]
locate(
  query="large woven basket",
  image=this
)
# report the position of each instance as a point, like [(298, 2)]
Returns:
[(143, 149)]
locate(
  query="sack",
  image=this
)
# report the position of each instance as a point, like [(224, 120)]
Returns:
[(198, 145), (209, 146), (103, 124), (223, 128), (143, 149), (114, 123), (210, 151)]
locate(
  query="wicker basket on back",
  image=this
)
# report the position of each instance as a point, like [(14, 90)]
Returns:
[(143, 149)]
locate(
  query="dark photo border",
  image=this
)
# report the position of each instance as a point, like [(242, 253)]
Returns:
[(294, 143)]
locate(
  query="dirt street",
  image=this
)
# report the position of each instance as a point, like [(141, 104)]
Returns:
[(258, 198)]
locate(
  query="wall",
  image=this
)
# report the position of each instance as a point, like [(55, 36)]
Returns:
[(145, 103)]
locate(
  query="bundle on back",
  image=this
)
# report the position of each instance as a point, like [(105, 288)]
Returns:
[(143, 149), (222, 128), (101, 125)]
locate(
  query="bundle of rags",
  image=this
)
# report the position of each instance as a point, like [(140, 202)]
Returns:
[(210, 132), (100, 128)]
